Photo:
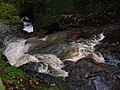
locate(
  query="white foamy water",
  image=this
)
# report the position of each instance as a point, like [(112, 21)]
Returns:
[(52, 60), (15, 50), (28, 29), (27, 26), (53, 56)]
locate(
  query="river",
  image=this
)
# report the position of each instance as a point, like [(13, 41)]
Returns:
[(77, 59)]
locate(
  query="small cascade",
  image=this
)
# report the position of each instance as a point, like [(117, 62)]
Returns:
[(27, 26), (51, 58)]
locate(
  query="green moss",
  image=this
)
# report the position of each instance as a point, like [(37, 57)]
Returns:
[(9, 13)]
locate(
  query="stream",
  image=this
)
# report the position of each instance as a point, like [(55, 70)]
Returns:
[(76, 59)]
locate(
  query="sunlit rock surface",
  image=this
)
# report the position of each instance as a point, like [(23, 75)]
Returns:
[(52, 53)]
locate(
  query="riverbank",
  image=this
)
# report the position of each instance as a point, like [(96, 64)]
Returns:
[(15, 78)]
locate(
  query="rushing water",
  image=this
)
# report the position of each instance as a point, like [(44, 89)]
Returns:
[(53, 56), (58, 56)]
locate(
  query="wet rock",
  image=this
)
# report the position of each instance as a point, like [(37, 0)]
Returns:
[(118, 64), (35, 67), (118, 76), (86, 75), (4, 30), (102, 84), (1, 44), (110, 53)]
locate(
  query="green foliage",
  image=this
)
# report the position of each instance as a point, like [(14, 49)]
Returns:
[(56, 7), (8, 13), (45, 12), (50, 11), (53, 9), (22, 4)]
